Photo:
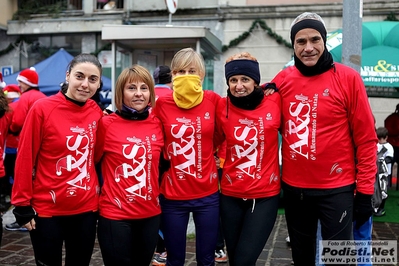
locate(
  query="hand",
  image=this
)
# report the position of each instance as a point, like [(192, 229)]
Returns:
[(362, 209), (107, 112), (217, 161), (31, 225), (269, 88), (268, 92), (24, 216)]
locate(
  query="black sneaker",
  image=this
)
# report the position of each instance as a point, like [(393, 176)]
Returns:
[(15, 227), (379, 213)]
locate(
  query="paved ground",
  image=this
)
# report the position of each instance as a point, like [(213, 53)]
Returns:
[(16, 247)]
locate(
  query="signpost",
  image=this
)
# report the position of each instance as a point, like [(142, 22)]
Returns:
[(172, 7), (352, 34), (6, 70)]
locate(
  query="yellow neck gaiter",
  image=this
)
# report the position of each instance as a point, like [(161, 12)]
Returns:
[(187, 91)]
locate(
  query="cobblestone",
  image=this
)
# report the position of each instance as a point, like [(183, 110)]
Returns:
[(16, 248)]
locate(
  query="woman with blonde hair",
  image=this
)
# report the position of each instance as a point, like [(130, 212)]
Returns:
[(191, 182)]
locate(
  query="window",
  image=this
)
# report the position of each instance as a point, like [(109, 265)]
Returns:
[(109, 5)]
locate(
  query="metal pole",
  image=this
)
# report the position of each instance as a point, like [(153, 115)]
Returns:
[(352, 33), (198, 46), (113, 74)]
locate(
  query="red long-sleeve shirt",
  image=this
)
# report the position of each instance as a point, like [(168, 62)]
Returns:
[(54, 171), (251, 168), (328, 132), (4, 124), (189, 147), (25, 103), (12, 140), (130, 151)]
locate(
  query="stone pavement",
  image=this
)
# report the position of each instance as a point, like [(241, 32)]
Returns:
[(16, 247)]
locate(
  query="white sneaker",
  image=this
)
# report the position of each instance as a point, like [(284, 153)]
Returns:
[(220, 256)]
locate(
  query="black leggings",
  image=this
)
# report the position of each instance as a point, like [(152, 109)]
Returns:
[(128, 242), (246, 226), (78, 232), (335, 212)]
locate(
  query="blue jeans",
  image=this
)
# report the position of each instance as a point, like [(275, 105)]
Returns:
[(174, 222), (364, 233), (318, 246)]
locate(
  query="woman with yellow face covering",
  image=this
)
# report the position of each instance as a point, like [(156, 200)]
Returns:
[(191, 182)]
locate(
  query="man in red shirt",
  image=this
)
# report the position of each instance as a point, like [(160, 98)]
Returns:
[(328, 145), (28, 82)]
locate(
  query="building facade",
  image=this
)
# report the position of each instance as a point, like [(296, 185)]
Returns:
[(29, 33)]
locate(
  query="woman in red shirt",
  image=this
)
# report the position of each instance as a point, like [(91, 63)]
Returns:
[(129, 144), (250, 183), (190, 185), (56, 187)]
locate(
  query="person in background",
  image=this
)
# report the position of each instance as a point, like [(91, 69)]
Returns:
[(250, 184), (3, 84), (28, 82), (58, 204), (4, 123), (129, 144), (391, 123), (163, 81), (12, 93), (191, 182), (97, 98), (101, 3), (364, 232), (220, 253), (163, 85), (382, 135), (329, 143)]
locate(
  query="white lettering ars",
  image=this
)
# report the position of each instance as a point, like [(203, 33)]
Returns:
[(249, 137), (298, 129), (79, 161), (136, 169), (184, 148)]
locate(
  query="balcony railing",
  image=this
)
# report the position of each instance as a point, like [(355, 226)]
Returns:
[(54, 8)]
